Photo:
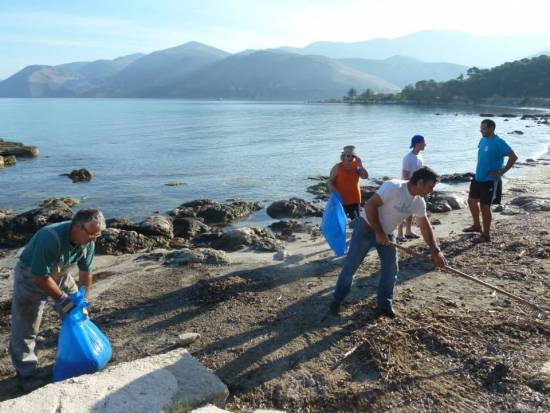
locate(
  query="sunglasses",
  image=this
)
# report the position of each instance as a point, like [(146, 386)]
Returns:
[(91, 235), (349, 156)]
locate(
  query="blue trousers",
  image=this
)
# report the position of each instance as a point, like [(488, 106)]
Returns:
[(362, 241)]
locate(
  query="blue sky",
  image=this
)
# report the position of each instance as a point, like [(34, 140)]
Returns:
[(61, 31)]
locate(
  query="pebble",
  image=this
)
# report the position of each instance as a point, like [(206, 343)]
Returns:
[(185, 339)]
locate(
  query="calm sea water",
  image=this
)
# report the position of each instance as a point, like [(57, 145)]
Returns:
[(221, 150)]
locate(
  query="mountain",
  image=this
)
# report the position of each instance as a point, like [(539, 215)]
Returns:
[(274, 74), (66, 80), (436, 46), (157, 70), (402, 70)]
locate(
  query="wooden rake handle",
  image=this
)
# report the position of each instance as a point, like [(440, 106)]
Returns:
[(471, 278)]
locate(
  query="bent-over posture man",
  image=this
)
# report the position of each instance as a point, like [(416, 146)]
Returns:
[(486, 187), (44, 270), (394, 201)]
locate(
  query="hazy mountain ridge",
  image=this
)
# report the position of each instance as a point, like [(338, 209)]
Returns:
[(320, 70)]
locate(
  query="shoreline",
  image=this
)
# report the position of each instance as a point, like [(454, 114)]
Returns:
[(265, 333)]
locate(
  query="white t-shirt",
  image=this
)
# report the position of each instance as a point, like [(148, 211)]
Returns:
[(411, 163), (398, 205)]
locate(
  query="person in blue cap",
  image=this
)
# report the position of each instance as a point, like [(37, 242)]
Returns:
[(486, 187), (411, 162)]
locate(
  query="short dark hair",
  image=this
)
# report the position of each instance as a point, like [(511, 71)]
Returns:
[(489, 123), (425, 173)]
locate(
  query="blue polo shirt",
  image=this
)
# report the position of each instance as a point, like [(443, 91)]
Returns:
[(43, 251), (490, 157)]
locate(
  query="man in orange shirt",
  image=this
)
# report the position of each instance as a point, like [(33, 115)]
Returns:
[(344, 179)]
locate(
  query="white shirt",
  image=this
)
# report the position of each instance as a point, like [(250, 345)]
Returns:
[(398, 205), (411, 163)]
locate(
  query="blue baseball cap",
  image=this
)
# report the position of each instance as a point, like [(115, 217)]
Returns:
[(416, 139)]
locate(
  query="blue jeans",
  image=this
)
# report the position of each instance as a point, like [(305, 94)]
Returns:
[(362, 241)]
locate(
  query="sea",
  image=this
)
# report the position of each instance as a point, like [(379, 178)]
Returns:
[(253, 151)]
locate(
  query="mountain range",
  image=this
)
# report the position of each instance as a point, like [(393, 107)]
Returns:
[(318, 71)]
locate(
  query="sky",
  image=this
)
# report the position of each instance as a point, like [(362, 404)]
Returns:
[(60, 31)]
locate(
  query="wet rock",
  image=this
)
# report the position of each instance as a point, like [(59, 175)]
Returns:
[(457, 177), (115, 241), (80, 175), (5, 213), (532, 203), (215, 213), (122, 223), (290, 226), (188, 256), (294, 208), (175, 183), (367, 191), (515, 132), (259, 239), (70, 202), (9, 160), (156, 225), (188, 227), (206, 239), (438, 206), (320, 190), (15, 231), (17, 149), (486, 115), (507, 115)]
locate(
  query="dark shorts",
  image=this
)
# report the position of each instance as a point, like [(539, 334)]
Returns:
[(352, 210), (488, 192)]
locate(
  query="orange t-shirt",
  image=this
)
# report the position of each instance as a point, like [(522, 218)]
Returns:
[(347, 184)]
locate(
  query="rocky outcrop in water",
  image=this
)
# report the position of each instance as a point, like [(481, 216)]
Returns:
[(17, 149), (16, 230), (215, 213), (294, 208), (457, 178), (80, 175)]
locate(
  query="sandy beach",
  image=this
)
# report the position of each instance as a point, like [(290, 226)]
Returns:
[(266, 332)]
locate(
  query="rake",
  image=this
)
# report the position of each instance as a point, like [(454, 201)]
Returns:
[(543, 310)]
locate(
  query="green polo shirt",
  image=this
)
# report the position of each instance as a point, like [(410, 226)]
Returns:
[(43, 251)]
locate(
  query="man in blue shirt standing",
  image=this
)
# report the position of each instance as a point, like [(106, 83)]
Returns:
[(486, 187)]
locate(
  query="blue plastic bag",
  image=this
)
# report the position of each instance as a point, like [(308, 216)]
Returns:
[(82, 347), (334, 224)]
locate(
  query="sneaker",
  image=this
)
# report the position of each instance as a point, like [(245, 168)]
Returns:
[(472, 228), (412, 235), (334, 308), (388, 312)]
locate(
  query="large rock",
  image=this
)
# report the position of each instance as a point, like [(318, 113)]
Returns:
[(320, 190), (17, 149), (532, 203), (215, 213), (156, 225), (80, 175), (187, 256), (259, 239), (294, 208), (9, 160), (67, 200), (15, 231), (174, 381), (457, 178), (115, 241), (188, 227), (122, 223), (449, 198)]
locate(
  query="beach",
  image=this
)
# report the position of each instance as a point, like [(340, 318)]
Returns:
[(265, 330)]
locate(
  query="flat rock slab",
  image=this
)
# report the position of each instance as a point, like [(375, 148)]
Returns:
[(153, 384)]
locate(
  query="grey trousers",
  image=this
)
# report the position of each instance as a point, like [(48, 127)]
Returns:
[(27, 306)]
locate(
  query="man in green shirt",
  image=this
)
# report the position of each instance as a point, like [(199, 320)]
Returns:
[(44, 270)]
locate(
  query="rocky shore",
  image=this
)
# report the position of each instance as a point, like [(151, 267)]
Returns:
[(258, 297), (10, 151)]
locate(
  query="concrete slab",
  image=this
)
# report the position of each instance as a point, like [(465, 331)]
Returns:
[(153, 384)]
